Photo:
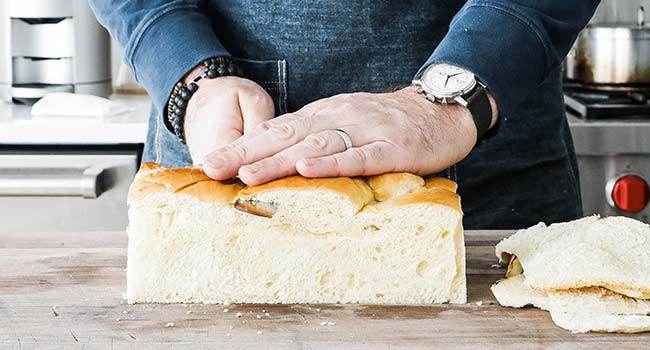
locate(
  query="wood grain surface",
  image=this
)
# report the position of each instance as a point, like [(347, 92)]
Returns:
[(64, 291)]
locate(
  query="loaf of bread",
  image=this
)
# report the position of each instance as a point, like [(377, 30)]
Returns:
[(387, 239), (592, 274)]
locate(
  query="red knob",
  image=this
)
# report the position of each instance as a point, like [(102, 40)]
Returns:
[(631, 193)]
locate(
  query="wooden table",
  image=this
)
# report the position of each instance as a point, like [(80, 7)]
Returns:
[(64, 291)]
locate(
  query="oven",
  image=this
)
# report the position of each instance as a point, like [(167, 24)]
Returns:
[(64, 188), (611, 133)]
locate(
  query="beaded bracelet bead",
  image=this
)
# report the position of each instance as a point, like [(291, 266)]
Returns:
[(211, 68)]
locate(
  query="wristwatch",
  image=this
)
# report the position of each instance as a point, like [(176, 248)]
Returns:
[(445, 83)]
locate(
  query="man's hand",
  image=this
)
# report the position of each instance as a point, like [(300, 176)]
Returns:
[(222, 110), (391, 132)]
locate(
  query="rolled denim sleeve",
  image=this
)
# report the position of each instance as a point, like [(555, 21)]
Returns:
[(162, 40), (512, 46)]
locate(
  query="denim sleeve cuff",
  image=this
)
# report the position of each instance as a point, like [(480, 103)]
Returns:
[(502, 48), (169, 47)]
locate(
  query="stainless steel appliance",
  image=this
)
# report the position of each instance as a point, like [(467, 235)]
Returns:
[(56, 189), (52, 45), (611, 53), (611, 132), (68, 174)]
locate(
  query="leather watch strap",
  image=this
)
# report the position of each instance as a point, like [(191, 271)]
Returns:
[(478, 104)]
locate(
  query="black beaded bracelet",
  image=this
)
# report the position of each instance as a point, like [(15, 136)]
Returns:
[(212, 68)]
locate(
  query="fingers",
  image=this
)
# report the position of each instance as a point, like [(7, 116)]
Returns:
[(308, 110), (226, 161), (269, 124), (371, 159), (284, 163)]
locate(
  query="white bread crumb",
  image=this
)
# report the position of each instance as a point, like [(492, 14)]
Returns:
[(169, 324), (364, 229)]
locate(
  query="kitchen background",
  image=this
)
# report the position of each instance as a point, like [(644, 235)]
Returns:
[(66, 167)]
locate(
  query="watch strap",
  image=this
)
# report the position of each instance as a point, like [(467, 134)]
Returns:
[(479, 106)]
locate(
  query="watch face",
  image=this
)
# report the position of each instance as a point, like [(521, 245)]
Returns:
[(444, 81)]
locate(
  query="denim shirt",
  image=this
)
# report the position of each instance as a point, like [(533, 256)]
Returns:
[(302, 51)]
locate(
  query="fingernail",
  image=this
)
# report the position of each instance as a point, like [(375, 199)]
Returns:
[(216, 162), (253, 168)]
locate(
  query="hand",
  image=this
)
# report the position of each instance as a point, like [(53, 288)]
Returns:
[(222, 110), (391, 132)]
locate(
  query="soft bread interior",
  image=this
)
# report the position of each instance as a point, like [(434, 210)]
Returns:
[(327, 242), (600, 303), (582, 310), (612, 252)]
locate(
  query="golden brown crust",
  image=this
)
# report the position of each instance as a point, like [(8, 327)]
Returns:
[(441, 182), (189, 180), (392, 185), (432, 195), (149, 166), (193, 181)]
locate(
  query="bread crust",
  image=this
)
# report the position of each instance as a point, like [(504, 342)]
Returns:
[(192, 181)]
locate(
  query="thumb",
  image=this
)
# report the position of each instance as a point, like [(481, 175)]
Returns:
[(220, 126), (256, 107)]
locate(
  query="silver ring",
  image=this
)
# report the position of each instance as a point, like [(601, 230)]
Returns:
[(346, 138)]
